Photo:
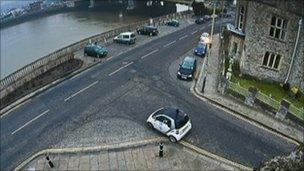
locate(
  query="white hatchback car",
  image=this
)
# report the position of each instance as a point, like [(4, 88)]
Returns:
[(170, 121), (204, 37)]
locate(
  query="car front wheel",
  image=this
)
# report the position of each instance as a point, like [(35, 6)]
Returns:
[(150, 125), (172, 139)]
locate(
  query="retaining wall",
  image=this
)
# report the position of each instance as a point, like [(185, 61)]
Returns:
[(32, 70)]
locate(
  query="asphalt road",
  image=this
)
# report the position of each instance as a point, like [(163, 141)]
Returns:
[(131, 86)]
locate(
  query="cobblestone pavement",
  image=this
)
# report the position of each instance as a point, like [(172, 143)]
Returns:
[(212, 71), (144, 157)]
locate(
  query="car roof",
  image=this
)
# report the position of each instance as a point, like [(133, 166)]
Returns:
[(128, 33), (173, 112), (153, 27)]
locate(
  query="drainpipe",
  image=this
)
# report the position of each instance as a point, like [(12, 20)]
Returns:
[(294, 52)]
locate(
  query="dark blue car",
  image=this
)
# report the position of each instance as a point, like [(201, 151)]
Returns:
[(200, 50)]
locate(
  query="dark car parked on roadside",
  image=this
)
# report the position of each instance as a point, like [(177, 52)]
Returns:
[(200, 21), (187, 68), (173, 23), (95, 50), (147, 30)]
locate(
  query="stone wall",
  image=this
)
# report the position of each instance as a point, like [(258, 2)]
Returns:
[(257, 41)]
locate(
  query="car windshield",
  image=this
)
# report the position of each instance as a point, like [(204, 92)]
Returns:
[(187, 65), (205, 35), (97, 47), (181, 119), (201, 45)]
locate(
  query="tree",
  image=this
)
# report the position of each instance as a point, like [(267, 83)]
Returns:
[(199, 8)]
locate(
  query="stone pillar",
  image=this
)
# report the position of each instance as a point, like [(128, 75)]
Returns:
[(249, 100), (283, 109)]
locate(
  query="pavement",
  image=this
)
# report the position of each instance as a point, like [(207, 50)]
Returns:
[(211, 70), (110, 102), (141, 155)]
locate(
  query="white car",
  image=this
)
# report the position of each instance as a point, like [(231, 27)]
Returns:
[(204, 37), (170, 121)]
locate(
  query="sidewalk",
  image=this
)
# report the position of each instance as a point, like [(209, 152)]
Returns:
[(134, 156), (211, 70)]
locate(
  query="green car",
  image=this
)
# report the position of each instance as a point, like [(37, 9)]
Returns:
[(95, 50), (173, 23)]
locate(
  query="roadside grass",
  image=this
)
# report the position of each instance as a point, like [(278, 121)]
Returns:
[(273, 89)]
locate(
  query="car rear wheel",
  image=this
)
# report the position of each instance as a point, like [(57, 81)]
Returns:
[(150, 125), (139, 32), (172, 139)]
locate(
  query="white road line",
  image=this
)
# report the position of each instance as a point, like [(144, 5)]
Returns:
[(80, 91), (194, 32), (43, 113), (183, 37), (149, 53), (169, 43), (120, 68), (109, 58)]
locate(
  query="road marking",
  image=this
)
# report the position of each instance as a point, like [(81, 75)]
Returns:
[(120, 68), (43, 113), (183, 37), (80, 91), (169, 43), (149, 53), (194, 32), (109, 58)]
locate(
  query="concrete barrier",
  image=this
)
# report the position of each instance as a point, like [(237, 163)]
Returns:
[(32, 70)]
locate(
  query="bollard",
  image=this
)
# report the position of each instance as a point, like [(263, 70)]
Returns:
[(204, 83), (49, 161), (161, 152)]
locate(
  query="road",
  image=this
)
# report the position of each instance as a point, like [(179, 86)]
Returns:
[(128, 88)]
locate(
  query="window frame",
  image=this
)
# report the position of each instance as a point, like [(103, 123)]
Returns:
[(278, 27), (271, 60), (241, 16)]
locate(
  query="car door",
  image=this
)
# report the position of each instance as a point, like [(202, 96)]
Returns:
[(162, 124)]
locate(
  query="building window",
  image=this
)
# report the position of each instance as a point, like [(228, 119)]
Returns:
[(271, 60), (241, 17), (278, 28)]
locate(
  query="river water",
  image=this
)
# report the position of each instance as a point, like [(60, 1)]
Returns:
[(26, 42)]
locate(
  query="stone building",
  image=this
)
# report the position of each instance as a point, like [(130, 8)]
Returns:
[(267, 40)]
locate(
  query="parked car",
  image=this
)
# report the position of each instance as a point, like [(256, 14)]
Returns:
[(200, 49), (170, 121), (200, 21), (95, 50), (147, 30), (127, 38), (187, 68), (173, 23), (204, 37), (207, 17)]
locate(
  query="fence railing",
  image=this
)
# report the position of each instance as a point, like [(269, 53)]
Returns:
[(102, 37), (236, 88)]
